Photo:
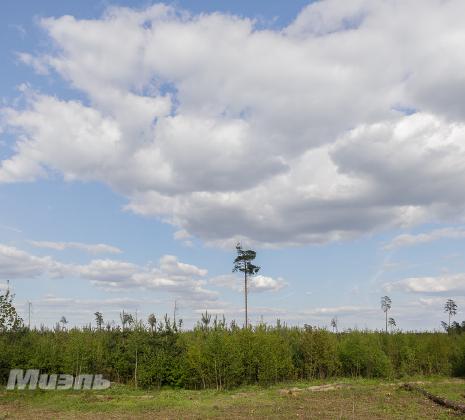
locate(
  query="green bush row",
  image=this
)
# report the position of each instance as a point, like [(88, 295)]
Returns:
[(226, 357)]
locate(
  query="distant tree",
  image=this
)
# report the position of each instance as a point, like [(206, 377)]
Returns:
[(126, 319), (180, 322), (243, 263), (450, 308), (206, 318), (99, 320), (152, 320), (392, 323), (455, 327), (175, 311), (63, 322), (131, 321), (386, 306), (307, 327), (9, 319), (334, 324)]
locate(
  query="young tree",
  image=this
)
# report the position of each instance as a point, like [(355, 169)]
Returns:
[(131, 320), (450, 307), (392, 323), (9, 319), (334, 324), (63, 322), (205, 320), (99, 320), (386, 306), (152, 320), (243, 263), (126, 319)]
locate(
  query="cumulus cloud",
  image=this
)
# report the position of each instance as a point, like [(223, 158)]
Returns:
[(278, 137), (170, 275), (255, 284), (348, 310), (91, 248), (56, 301), (15, 263), (171, 265), (442, 284), (421, 238), (47, 310)]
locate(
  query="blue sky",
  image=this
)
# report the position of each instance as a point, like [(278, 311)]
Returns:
[(168, 133)]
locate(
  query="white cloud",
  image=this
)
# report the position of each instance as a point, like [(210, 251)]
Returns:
[(418, 314), (10, 228), (91, 248), (113, 306), (256, 284), (38, 65), (414, 315), (261, 283), (421, 238), (170, 275), (171, 265), (235, 312), (443, 284), (347, 310), (278, 137), (182, 234), (108, 271), (15, 263), (48, 309)]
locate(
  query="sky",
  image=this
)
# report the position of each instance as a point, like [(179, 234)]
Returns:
[(140, 141)]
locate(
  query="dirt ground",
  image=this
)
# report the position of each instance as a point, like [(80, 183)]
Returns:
[(356, 400)]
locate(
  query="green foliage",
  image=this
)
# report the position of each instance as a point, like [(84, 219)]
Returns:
[(9, 319), (361, 354), (215, 355), (319, 352), (450, 308), (243, 261)]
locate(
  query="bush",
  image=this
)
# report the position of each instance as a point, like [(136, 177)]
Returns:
[(224, 357), (361, 354)]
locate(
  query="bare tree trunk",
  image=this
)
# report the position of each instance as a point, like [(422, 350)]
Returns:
[(245, 293), (439, 400), (386, 321), (135, 370), (216, 376)]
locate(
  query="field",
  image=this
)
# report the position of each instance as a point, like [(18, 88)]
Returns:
[(347, 399), (222, 371)]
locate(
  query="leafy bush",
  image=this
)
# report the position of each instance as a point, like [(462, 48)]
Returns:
[(219, 356)]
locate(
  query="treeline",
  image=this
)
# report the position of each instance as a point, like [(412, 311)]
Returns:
[(218, 355)]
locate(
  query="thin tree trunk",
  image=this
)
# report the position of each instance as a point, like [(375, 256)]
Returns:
[(216, 376), (386, 322), (245, 293), (135, 370), (439, 400)]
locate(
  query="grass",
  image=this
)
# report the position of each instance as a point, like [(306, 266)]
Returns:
[(453, 389), (356, 399)]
